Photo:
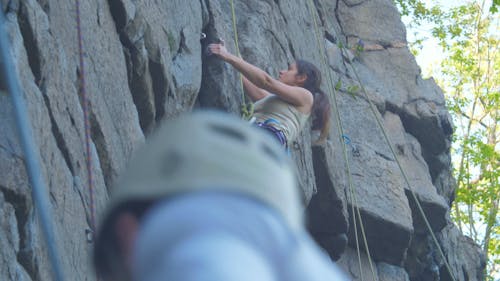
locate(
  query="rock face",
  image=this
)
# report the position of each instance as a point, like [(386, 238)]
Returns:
[(145, 61)]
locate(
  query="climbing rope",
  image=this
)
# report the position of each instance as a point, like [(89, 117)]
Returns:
[(355, 210), (403, 172), (38, 188), (246, 109), (85, 107)]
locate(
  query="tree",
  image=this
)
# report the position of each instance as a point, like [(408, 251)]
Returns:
[(469, 75)]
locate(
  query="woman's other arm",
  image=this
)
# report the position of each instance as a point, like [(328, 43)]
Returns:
[(255, 93)]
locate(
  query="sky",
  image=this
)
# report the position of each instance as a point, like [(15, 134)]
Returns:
[(431, 53)]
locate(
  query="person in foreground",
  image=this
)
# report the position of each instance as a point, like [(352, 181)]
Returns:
[(283, 105), (208, 197)]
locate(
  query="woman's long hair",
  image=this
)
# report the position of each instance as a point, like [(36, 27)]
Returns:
[(321, 106)]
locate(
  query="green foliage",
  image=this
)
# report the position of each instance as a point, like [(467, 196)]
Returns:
[(470, 77), (359, 49), (494, 6), (171, 41), (338, 85), (353, 90), (416, 46)]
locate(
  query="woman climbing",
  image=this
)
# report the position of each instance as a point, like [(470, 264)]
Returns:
[(283, 105)]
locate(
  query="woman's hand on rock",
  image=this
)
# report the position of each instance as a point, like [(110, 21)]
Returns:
[(219, 49)]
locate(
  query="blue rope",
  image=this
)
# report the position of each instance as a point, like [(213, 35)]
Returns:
[(38, 188)]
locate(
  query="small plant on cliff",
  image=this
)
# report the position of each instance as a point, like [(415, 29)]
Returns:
[(338, 85), (353, 90), (171, 41)]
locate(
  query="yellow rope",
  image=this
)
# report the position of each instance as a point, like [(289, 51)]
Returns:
[(405, 176), (246, 109), (354, 200)]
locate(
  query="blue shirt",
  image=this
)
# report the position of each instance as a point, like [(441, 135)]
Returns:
[(216, 236)]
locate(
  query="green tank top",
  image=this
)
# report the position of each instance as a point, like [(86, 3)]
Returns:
[(290, 119)]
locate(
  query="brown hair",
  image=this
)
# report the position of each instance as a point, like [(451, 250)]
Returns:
[(109, 262), (321, 106)]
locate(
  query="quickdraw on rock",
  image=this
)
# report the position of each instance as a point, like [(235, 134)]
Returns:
[(347, 141)]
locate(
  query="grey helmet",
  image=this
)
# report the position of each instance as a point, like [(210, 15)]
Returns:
[(212, 150)]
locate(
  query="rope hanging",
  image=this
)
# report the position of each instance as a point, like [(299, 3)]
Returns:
[(403, 172), (355, 210), (421, 211), (85, 106), (246, 109), (38, 188)]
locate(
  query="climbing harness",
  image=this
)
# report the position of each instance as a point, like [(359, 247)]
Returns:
[(38, 188), (246, 109), (354, 204), (267, 125)]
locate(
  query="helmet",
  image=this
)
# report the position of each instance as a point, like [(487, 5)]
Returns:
[(212, 150)]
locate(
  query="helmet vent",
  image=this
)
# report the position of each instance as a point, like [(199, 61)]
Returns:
[(171, 162), (229, 132)]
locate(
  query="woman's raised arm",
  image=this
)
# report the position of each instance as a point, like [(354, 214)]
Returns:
[(295, 95)]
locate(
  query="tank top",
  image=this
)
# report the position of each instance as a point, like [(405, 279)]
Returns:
[(290, 119)]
